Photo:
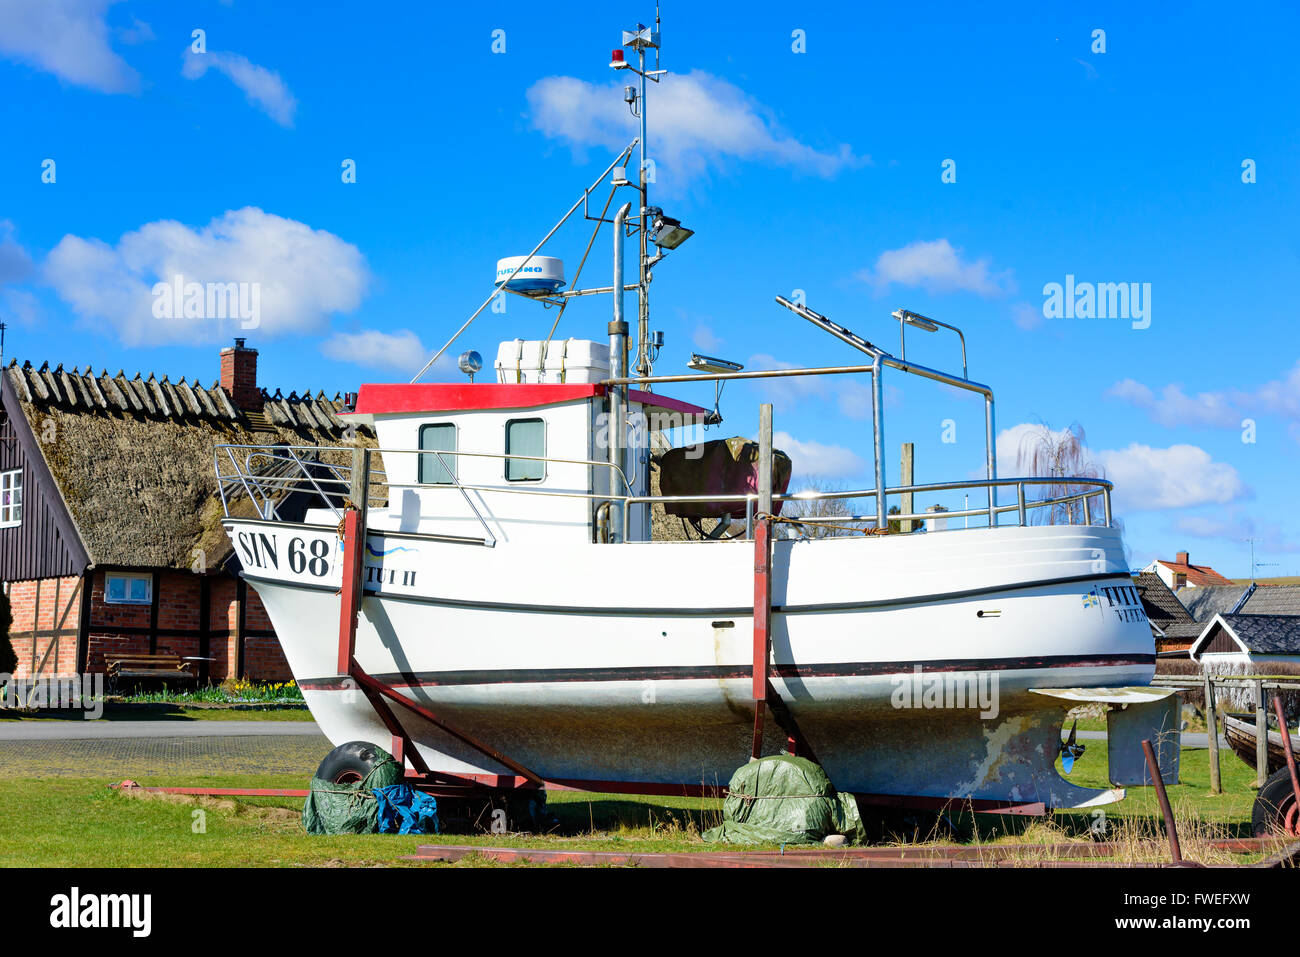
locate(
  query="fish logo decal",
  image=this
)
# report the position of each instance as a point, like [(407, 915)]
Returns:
[(387, 551)]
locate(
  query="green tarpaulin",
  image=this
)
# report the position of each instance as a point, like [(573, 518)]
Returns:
[(785, 800), (349, 808)]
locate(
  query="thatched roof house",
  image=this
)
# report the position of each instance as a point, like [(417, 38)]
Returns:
[(110, 513), (132, 458)]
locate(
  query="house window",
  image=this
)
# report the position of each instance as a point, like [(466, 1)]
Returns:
[(11, 498), (525, 437), (435, 470), (127, 589)]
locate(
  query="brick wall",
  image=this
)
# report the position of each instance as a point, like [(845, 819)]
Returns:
[(263, 658), (45, 604), (178, 611)]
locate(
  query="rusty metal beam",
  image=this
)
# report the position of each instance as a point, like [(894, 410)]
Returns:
[(367, 682), (762, 625), (1286, 748)]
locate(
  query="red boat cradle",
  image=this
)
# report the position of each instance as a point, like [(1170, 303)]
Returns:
[(382, 697)]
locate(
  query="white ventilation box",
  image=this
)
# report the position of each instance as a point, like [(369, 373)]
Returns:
[(572, 361)]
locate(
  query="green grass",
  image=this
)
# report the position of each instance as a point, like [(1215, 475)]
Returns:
[(80, 822), (229, 692), (117, 711)]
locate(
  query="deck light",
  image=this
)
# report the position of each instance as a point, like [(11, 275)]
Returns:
[(665, 231), (907, 318), (915, 319), (470, 362), (699, 363)]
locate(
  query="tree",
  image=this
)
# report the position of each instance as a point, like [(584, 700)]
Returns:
[(818, 510), (1057, 455)]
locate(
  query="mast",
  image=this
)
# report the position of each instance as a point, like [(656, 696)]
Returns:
[(642, 39)]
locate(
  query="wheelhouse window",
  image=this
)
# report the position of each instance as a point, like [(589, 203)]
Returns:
[(122, 589), (433, 469), (525, 437), (11, 498)]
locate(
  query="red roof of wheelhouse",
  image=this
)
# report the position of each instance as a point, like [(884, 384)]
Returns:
[(397, 398)]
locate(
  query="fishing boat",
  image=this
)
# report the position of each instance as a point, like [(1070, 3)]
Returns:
[(487, 594)]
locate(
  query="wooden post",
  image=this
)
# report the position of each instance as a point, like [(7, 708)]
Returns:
[(205, 627), (83, 623), (1212, 728), (906, 478), (1261, 736)]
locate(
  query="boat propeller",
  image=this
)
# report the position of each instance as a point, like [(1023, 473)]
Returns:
[(1071, 750)]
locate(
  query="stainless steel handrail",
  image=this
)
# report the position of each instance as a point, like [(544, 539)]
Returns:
[(252, 483)]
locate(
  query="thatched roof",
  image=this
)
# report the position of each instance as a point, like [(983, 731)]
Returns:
[(133, 457)]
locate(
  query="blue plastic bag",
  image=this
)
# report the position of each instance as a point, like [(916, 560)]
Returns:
[(404, 810)]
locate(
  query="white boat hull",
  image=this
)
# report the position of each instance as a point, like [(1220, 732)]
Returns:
[(507, 644)]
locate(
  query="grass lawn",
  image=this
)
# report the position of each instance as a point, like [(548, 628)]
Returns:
[(114, 711), (79, 822)]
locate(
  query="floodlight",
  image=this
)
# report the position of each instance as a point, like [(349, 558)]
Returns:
[(700, 363)]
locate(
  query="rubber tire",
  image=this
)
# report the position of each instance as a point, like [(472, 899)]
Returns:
[(349, 762), (1275, 799)]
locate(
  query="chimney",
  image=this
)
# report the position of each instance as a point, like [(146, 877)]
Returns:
[(1182, 559), (239, 376)]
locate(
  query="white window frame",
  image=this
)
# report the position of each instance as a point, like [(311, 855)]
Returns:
[(127, 578), (11, 515), (449, 459), (505, 469)]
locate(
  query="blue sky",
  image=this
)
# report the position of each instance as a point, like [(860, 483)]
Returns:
[(818, 170)]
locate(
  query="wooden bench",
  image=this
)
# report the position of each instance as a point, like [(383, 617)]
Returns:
[(135, 668)]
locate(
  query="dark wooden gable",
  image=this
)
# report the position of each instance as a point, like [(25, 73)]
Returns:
[(46, 544), (1220, 642)]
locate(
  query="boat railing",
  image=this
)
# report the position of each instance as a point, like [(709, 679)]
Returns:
[(266, 475)]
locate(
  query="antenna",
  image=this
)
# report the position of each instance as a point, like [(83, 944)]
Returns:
[(1254, 565)]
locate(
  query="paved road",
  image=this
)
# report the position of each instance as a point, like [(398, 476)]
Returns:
[(55, 730), (1195, 740), (149, 751)]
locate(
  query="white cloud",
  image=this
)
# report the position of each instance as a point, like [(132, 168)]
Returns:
[(21, 305), (852, 394), (15, 263), (1225, 408), (303, 275), (1027, 316), (1177, 477), (401, 351), (69, 38), (1237, 528), (701, 122), (936, 267), (704, 338), (1013, 446), (263, 88), (1173, 407), (138, 32), (815, 459), (1145, 478)]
